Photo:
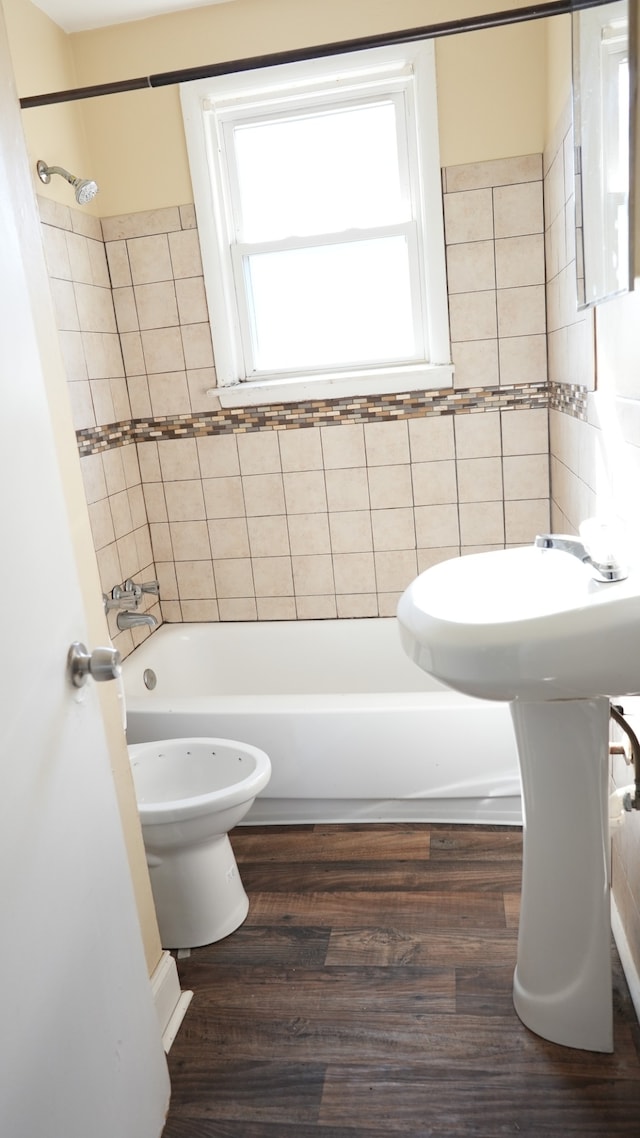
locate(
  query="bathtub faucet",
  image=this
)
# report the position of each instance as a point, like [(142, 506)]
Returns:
[(608, 569), (133, 619)]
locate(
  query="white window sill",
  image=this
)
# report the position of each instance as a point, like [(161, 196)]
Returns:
[(343, 386)]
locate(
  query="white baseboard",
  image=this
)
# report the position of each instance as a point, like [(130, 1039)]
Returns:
[(632, 975), (170, 1003)]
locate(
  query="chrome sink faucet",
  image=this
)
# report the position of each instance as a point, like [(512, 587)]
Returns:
[(608, 569)]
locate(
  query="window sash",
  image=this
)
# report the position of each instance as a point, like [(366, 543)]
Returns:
[(241, 252)]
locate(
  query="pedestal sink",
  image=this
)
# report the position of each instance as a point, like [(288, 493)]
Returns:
[(532, 626)]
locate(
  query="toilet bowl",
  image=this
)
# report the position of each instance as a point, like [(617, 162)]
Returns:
[(190, 793)]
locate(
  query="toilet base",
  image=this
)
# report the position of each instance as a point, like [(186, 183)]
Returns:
[(198, 894)]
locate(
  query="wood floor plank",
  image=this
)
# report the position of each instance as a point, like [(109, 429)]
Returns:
[(327, 991), (394, 1099), (413, 911), (298, 946), (346, 845), (467, 1044), (262, 1090), (407, 876), (475, 845), (393, 946)]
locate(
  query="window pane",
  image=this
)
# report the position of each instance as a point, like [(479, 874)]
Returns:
[(319, 173), (332, 305)]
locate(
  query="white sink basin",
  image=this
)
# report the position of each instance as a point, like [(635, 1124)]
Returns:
[(527, 624)]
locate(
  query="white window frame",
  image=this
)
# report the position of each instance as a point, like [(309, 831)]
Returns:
[(406, 72)]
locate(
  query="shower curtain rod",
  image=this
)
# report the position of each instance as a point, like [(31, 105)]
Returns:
[(319, 51)]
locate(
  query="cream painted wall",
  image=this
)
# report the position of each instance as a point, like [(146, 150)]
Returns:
[(43, 60), (491, 84), (558, 36)]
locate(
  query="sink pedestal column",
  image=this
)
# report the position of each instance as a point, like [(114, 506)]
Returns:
[(562, 985)]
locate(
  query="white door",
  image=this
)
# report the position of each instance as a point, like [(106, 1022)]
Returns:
[(80, 1048)]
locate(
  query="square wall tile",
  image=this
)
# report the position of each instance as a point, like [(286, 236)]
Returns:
[(313, 574), (228, 537), (475, 363), (168, 393), (258, 452), (518, 209), (481, 523), (218, 456), (300, 449), (190, 541), (468, 216), (434, 482), (149, 259), (526, 476), (520, 261), (351, 531), (431, 438), (395, 569), (272, 576), (393, 529), (479, 479), (264, 494), (356, 605), (198, 612), (268, 536), (387, 444), (522, 311), (309, 533), (471, 266), (390, 486), (343, 446), (240, 608), (523, 359), (436, 526), (473, 315), (524, 519), (185, 500), (195, 580), (224, 497), (525, 432), (354, 572), (316, 607), (276, 608), (347, 489), (304, 491), (477, 436), (178, 459)]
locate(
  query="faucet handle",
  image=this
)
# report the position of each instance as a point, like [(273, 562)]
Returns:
[(146, 587)]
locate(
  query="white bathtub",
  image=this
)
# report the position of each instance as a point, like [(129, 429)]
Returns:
[(354, 730)]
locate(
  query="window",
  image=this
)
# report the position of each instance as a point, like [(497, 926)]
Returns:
[(317, 192)]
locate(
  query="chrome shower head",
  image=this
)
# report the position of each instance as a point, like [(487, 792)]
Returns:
[(85, 189)]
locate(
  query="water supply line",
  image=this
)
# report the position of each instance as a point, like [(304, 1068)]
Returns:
[(629, 801)]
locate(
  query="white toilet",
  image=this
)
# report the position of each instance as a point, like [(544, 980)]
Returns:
[(190, 793)]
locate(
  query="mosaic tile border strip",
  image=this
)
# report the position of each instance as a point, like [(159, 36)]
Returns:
[(314, 413), (570, 398)]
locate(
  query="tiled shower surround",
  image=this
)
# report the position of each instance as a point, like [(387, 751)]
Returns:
[(310, 510)]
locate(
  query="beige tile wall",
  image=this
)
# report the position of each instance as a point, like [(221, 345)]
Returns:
[(82, 297), (335, 521), (494, 231), (317, 521)]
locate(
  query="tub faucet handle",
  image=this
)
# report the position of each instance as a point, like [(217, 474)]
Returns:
[(146, 587)]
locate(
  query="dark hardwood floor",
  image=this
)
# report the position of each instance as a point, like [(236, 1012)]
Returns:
[(369, 994)]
